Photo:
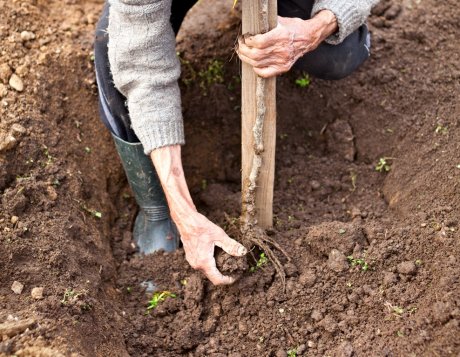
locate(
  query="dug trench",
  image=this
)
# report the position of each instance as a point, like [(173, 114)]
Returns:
[(374, 253)]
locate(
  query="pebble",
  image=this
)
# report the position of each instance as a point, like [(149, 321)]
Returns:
[(8, 143), (407, 268), (337, 261), (5, 73), (14, 219), (3, 90), (18, 129), (37, 293), (315, 184), (27, 36), (13, 328), (316, 315), (17, 287), (281, 353), (16, 83), (301, 349)]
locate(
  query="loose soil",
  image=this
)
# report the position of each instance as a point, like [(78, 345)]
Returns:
[(374, 267)]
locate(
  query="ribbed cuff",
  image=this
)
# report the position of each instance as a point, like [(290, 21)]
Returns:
[(348, 17), (156, 134), (135, 7)]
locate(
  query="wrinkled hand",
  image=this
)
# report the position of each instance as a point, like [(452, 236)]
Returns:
[(200, 236), (276, 51)]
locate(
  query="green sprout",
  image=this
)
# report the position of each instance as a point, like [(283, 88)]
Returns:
[(91, 211), (158, 297), (260, 262), (211, 75), (358, 262), (383, 165), (292, 352), (441, 129), (303, 81)]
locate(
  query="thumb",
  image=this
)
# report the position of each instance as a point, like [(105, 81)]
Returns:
[(231, 246)]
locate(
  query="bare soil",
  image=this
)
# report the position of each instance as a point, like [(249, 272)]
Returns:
[(374, 267)]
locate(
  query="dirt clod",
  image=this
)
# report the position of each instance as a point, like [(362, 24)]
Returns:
[(407, 268), (337, 261)]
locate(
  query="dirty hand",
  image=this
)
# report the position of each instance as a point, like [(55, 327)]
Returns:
[(276, 51), (199, 235)]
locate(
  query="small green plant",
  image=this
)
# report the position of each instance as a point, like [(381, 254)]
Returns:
[(87, 149), (47, 155), (214, 73), (260, 262), (383, 165), (292, 352), (303, 81), (129, 290), (159, 297), (91, 211), (358, 262), (72, 295), (441, 129)]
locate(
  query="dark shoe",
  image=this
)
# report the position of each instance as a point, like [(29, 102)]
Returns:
[(153, 229)]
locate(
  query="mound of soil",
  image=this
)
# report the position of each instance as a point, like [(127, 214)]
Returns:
[(374, 254)]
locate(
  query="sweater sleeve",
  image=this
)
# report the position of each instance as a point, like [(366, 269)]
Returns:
[(145, 69), (350, 15)]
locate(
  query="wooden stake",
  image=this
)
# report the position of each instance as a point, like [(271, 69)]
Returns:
[(258, 118)]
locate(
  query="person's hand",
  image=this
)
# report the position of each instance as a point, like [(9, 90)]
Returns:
[(276, 51), (200, 236)]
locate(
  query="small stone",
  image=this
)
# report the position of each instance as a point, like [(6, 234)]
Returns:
[(13, 328), (18, 129), (5, 73), (37, 293), (337, 261), (281, 353), (311, 344), (14, 219), (16, 83), (27, 36), (3, 90), (407, 268), (8, 143), (17, 287), (52, 194), (301, 349), (315, 184), (389, 278), (316, 315), (22, 70)]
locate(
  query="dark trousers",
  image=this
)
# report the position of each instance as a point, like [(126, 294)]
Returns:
[(325, 62)]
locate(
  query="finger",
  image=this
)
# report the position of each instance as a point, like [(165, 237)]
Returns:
[(248, 60), (216, 277), (267, 72), (231, 246), (253, 53), (264, 40)]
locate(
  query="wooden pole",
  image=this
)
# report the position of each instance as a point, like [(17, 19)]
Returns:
[(258, 101)]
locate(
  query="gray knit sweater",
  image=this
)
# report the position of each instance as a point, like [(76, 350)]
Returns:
[(145, 66)]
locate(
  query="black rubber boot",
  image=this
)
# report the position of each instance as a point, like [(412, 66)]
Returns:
[(153, 229)]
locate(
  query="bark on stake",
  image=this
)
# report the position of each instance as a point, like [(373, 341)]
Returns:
[(258, 123), (258, 137)]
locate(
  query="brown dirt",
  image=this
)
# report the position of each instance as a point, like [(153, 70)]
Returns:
[(330, 202)]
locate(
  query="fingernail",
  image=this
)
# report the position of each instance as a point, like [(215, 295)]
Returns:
[(242, 250)]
